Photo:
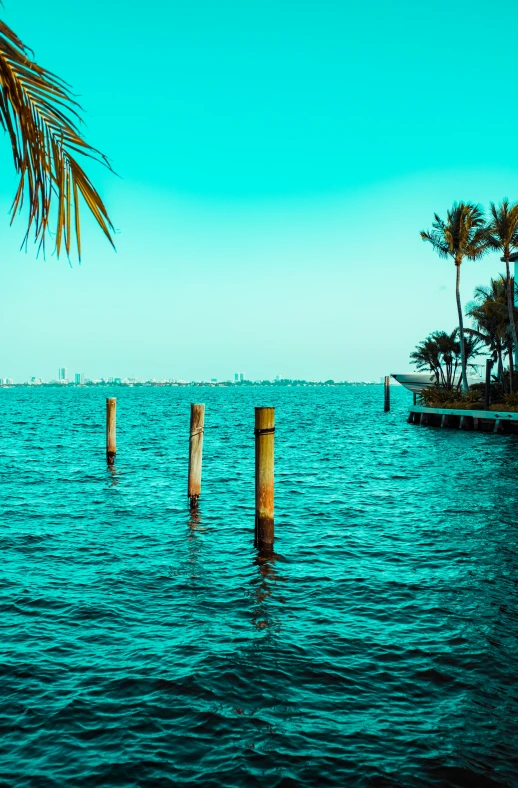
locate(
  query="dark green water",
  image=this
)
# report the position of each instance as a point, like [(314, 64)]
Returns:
[(141, 646)]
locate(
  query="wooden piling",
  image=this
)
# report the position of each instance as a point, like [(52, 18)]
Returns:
[(387, 394), (264, 478), (487, 390), (195, 453), (111, 427), (444, 420)]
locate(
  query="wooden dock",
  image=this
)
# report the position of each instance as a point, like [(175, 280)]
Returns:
[(481, 420)]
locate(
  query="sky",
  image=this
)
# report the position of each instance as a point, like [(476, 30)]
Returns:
[(275, 162)]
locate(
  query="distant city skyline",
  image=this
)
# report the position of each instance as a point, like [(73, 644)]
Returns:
[(80, 379)]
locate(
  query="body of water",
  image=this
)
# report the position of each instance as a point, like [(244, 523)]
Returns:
[(145, 646)]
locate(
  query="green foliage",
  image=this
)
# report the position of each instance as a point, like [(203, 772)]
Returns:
[(451, 398), (511, 400)]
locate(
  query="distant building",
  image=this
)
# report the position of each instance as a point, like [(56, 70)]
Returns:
[(63, 373), (79, 379), (241, 376), (213, 380), (236, 377)]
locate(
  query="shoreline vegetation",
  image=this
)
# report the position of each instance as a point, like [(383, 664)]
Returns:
[(468, 234)]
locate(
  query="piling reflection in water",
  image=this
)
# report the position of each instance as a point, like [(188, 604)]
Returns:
[(265, 582), (195, 529), (112, 475)]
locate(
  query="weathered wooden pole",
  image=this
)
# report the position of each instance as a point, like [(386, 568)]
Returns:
[(195, 453), (487, 391), (111, 421), (387, 394), (264, 478)]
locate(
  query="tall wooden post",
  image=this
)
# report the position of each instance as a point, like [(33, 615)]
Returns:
[(264, 478), (111, 421), (195, 453), (487, 391), (387, 394)]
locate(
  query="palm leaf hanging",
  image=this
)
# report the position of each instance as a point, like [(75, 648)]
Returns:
[(42, 121)]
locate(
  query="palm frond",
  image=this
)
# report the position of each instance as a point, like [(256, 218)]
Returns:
[(463, 234), (42, 120), (437, 240), (503, 226)]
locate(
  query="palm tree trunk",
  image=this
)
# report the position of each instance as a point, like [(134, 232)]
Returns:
[(510, 312), (461, 328)]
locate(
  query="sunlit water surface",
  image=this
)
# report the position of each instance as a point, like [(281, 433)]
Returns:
[(143, 646)]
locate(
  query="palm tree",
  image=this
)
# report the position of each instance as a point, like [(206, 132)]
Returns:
[(427, 356), (42, 122), (503, 236), (463, 234), (440, 352), (489, 313)]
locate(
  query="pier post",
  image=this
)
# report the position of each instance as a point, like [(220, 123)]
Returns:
[(487, 390), (387, 394), (264, 478), (195, 453), (444, 420), (111, 426)]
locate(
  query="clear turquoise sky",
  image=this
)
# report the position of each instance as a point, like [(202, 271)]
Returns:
[(277, 161)]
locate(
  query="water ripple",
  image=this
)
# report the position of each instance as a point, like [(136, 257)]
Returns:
[(145, 646)]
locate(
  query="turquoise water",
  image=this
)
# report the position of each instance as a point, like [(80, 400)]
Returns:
[(143, 646)]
